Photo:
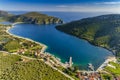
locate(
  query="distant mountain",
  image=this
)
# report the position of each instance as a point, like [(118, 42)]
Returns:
[(102, 30), (34, 18), (4, 14)]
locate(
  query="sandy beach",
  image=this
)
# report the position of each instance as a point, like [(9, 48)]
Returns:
[(44, 47)]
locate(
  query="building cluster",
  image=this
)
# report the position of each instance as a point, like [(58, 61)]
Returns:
[(89, 76), (45, 57), (21, 51), (85, 75)]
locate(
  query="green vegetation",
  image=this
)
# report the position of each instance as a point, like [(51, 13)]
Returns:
[(1, 19), (7, 60), (13, 44), (4, 14), (102, 31), (30, 17), (15, 67), (114, 71), (106, 77), (34, 18), (72, 72)]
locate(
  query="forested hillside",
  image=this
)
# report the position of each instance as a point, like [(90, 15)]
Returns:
[(30, 17), (102, 30), (34, 18)]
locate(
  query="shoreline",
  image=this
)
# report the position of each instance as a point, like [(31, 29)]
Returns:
[(106, 59), (89, 42), (106, 62), (44, 47)]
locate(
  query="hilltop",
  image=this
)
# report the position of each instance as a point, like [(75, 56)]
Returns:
[(4, 14), (103, 31), (34, 18), (30, 17)]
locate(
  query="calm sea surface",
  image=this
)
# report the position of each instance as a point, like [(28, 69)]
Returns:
[(63, 45)]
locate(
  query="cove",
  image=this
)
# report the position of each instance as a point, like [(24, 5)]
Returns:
[(63, 45)]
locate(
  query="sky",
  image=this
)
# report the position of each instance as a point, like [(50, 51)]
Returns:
[(61, 5)]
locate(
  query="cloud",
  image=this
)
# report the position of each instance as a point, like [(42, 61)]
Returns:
[(109, 3), (113, 7), (62, 6)]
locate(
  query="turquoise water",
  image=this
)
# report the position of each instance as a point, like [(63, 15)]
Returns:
[(63, 45)]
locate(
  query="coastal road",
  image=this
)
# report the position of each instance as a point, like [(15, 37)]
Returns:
[(50, 66), (45, 63)]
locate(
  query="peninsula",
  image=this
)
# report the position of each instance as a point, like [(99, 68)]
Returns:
[(103, 31), (30, 17)]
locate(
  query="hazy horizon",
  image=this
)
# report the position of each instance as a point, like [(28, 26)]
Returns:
[(110, 6)]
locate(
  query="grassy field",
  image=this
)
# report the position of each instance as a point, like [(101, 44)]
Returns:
[(14, 68), (7, 60), (13, 44), (114, 71)]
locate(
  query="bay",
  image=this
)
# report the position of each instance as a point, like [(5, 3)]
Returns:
[(63, 45)]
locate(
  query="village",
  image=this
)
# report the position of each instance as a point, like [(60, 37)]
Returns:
[(40, 54), (91, 74)]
